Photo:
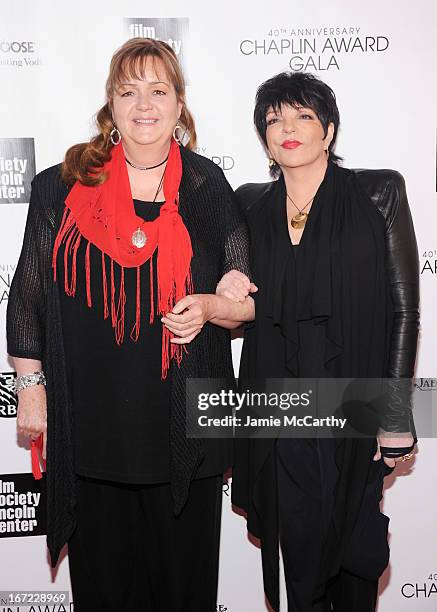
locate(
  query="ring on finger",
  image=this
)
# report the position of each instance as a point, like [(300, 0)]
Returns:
[(407, 457)]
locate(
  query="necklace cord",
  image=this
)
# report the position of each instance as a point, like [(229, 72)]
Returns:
[(300, 209), (146, 167)]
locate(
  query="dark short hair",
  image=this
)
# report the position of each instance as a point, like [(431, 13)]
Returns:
[(297, 89)]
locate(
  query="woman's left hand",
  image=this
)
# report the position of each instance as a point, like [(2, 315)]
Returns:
[(235, 286), (392, 442), (188, 317)]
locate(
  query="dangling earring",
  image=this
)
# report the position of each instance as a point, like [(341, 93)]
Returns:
[(115, 132), (177, 127), (272, 162)]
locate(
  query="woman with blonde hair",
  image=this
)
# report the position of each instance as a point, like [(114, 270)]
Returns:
[(124, 246)]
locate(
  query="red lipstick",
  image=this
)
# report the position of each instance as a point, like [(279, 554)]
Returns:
[(291, 144)]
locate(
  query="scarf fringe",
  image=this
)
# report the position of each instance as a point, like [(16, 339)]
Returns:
[(136, 328), (71, 245), (173, 351), (119, 328), (67, 223), (118, 306), (104, 288), (113, 313), (70, 236), (152, 299), (88, 275)]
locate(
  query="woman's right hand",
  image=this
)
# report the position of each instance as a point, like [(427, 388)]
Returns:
[(32, 413)]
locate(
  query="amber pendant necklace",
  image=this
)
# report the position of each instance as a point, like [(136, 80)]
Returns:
[(299, 220)]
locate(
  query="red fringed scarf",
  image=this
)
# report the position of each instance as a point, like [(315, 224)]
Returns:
[(105, 216)]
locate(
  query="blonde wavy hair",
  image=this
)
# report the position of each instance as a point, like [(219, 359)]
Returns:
[(83, 161)]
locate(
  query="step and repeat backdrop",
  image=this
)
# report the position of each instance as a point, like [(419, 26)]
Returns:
[(379, 57)]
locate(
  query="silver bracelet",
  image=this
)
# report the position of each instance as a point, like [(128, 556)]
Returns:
[(28, 380)]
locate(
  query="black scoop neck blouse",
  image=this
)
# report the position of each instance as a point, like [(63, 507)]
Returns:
[(120, 404)]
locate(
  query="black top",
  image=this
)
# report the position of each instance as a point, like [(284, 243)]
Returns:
[(311, 342), (120, 405)]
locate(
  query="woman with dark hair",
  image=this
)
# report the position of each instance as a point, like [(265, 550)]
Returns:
[(334, 255), (125, 244)]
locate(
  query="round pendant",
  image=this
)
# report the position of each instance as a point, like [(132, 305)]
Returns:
[(139, 238), (299, 220)]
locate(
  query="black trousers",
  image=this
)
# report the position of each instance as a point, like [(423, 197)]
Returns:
[(307, 475), (129, 551)]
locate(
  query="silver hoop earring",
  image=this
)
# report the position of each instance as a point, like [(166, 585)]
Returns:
[(175, 137), (115, 132)]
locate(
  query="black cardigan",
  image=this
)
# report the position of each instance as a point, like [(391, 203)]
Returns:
[(34, 329)]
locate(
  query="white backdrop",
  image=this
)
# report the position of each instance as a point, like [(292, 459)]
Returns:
[(379, 59)]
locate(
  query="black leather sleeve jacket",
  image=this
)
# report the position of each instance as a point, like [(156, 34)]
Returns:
[(386, 189)]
